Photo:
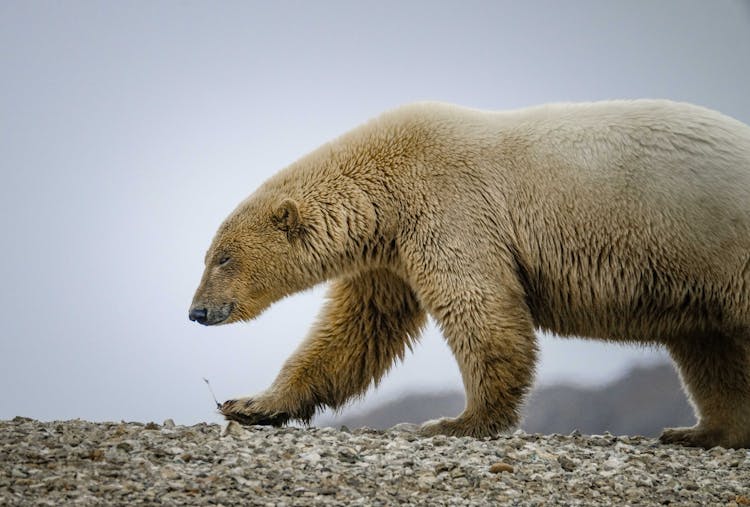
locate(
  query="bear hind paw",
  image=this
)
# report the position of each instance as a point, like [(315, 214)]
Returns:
[(694, 436), (459, 427)]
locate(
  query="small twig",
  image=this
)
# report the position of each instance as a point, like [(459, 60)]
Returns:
[(218, 405)]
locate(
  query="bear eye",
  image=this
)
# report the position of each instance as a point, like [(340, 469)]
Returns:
[(224, 260)]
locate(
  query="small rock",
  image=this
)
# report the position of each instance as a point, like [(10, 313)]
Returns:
[(234, 429), (312, 457), (175, 451), (18, 473), (457, 473), (348, 455), (169, 473), (125, 446), (426, 481), (601, 441), (175, 485), (444, 467), (516, 443), (96, 455), (406, 427), (613, 463), (689, 485), (500, 467), (566, 463)]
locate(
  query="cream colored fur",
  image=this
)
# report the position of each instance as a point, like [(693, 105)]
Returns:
[(624, 221)]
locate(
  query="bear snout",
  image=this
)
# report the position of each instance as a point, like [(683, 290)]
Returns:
[(210, 316)]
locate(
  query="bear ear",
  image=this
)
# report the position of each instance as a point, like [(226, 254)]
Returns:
[(287, 218)]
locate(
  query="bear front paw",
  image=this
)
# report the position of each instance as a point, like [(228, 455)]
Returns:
[(248, 413)]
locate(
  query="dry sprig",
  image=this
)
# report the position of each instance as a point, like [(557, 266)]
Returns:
[(218, 405)]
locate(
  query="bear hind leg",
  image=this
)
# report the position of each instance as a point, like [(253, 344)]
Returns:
[(715, 372)]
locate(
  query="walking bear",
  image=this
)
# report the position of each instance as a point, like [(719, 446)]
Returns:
[(622, 220)]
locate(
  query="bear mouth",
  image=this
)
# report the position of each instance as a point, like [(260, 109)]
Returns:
[(218, 315)]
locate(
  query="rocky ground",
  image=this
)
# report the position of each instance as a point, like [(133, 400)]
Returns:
[(61, 463)]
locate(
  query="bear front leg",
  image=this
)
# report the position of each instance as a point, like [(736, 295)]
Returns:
[(492, 337), (367, 323)]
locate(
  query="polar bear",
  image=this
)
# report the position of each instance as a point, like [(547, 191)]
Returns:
[(621, 220)]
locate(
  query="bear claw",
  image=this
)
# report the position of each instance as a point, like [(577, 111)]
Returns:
[(241, 411)]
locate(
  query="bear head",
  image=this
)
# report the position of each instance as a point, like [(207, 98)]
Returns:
[(255, 259)]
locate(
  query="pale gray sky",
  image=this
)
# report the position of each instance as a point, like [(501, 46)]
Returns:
[(128, 130)]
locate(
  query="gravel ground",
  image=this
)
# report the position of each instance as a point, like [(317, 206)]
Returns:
[(80, 462)]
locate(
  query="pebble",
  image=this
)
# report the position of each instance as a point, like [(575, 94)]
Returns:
[(233, 428), (566, 463), (84, 463), (501, 467)]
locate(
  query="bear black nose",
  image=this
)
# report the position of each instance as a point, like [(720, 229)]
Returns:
[(199, 315)]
